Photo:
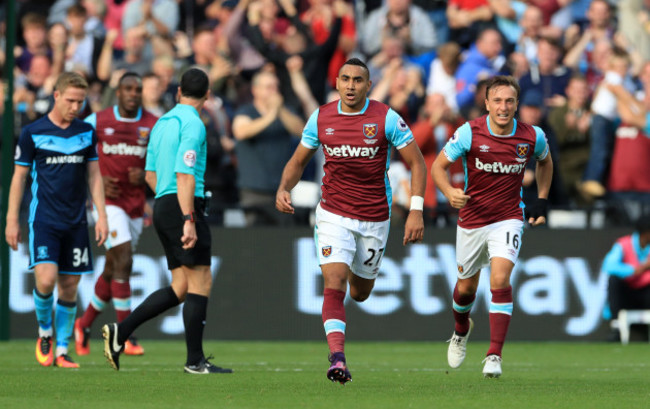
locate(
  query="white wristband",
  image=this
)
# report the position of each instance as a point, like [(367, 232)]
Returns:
[(417, 203)]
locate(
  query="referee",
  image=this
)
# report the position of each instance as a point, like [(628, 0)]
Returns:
[(176, 160)]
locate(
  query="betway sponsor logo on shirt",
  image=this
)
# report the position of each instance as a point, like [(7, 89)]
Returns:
[(56, 160), (347, 151), (500, 167), (124, 149)]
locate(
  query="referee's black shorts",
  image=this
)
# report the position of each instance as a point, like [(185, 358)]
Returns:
[(168, 221)]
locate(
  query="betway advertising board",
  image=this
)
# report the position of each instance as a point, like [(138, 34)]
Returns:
[(267, 286)]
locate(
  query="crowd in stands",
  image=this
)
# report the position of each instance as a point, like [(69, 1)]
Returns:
[(583, 67)]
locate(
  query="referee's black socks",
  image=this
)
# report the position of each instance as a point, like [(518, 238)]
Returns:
[(194, 313), (156, 303)]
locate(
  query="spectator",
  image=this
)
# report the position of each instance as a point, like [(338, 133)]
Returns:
[(82, 48), (436, 125), (603, 126), (547, 76), (154, 17), (628, 267), (33, 93), (245, 57), (467, 18), (483, 60), (442, 78), (320, 18), (263, 132), (531, 111), (113, 21), (152, 95), (402, 19), (628, 183), (316, 57), (634, 24), (133, 58), (34, 33), (570, 123), (581, 45), (401, 88)]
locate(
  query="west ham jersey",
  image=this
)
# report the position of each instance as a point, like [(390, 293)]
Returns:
[(357, 155), (122, 144), (58, 159), (494, 169)]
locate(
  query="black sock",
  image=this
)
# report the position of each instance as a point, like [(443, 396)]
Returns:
[(194, 313), (157, 303)]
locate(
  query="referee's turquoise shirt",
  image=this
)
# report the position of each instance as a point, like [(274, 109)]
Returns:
[(177, 145)]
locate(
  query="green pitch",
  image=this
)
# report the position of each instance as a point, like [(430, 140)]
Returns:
[(292, 375)]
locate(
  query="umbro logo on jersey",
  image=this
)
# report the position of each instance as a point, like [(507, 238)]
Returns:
[(109, 131), (484, 148), (329, 131)]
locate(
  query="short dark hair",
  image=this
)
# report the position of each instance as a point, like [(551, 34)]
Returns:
[(501, 80), (194, 83), (128, 74), (358, 63)]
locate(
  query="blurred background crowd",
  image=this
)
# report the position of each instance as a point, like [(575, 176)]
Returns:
[(583, 66)]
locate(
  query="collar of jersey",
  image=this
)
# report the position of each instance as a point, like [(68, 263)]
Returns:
[(116, 112), (514, 128), (363, 111)]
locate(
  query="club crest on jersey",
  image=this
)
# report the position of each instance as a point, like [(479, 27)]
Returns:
[(460, 269), (42, 252), (143, 135), (522, 149), (370, 130), (327, 251)]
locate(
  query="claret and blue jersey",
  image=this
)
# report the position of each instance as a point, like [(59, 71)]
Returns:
[(58, 159), (357, 156), (494, 168)]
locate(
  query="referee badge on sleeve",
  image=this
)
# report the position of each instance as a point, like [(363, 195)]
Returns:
[(189, 158)]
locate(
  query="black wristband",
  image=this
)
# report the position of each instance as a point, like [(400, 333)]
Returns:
[(538, 208), (190, 217)]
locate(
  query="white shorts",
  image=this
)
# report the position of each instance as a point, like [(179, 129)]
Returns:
[(121, 228), (357, 243), (475, 247)]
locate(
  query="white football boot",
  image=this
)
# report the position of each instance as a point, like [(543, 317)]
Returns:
[(457, 347)]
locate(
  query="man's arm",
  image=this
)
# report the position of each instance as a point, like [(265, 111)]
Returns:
[(151, 179), (96, 185), (185, 193), (414, 227), (630, 109), (456, 197), (243, 127), (543, 176), (290, 176), (12, 228)]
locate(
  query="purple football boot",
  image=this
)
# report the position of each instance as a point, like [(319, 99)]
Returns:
[(338, 371)]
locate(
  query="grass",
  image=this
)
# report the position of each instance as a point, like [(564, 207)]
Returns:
[(292, 375)]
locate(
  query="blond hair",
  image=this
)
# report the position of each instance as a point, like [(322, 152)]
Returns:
[(70, 79)]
